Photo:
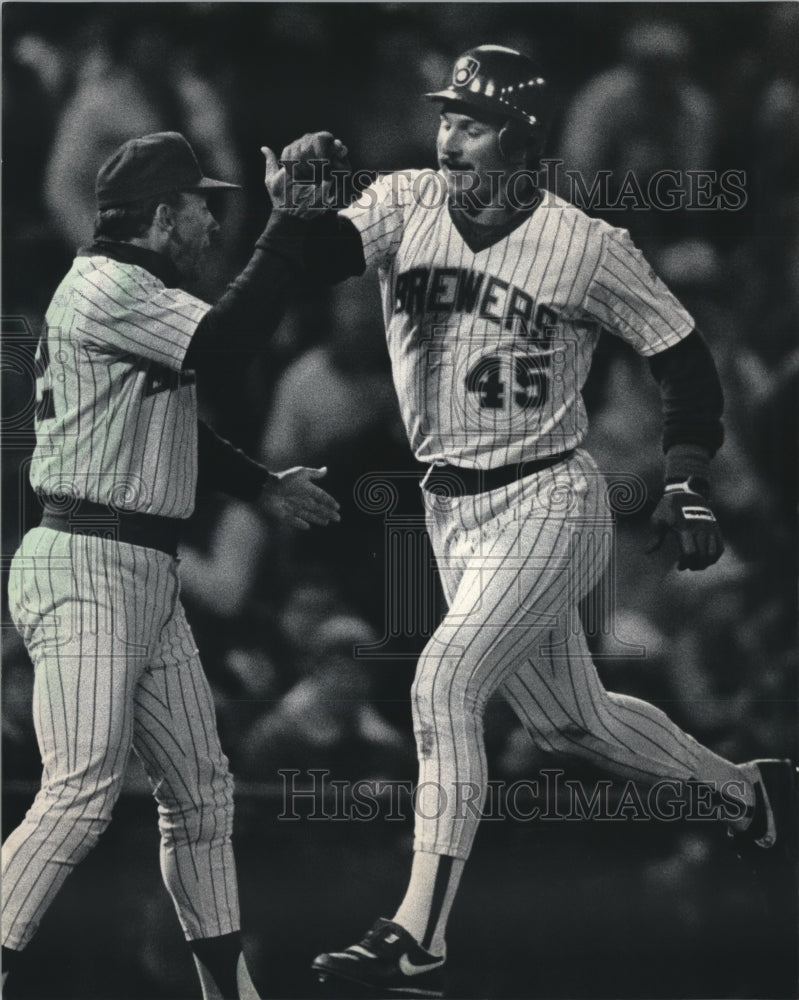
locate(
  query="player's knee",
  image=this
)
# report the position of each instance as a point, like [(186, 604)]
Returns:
[(447, 681), (441, 696), (198, 815), (82, 839), (198, 823), (82, 813), (424, 682), (599, 715)]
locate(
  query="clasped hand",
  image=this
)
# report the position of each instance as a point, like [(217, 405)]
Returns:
[(300, 182)]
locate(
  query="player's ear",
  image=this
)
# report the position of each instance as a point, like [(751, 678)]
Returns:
[(164, 218)]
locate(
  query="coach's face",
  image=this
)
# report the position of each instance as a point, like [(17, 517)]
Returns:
[(193, 235), (468, 153)]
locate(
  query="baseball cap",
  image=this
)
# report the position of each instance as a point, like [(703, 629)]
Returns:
[(148, 166)]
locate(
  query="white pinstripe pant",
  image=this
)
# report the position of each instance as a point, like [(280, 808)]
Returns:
[(514, 563), (116, 667)]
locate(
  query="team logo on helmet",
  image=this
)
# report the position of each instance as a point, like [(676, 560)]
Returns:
[(465, 70)]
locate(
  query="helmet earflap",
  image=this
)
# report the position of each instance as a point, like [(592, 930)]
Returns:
[(515, 138), (512, 139)]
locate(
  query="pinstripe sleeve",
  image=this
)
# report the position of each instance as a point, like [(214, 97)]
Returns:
[(630, 300), (379, 214), (126, 310)]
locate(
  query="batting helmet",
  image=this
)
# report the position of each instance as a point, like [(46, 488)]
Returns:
[(504, 83)]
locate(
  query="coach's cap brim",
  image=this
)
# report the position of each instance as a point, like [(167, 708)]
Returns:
[(209, 183)]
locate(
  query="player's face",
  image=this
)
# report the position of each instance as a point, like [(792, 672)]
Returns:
[(193, 235), (466, 145)]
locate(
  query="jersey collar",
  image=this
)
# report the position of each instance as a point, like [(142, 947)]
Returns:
[(479, 237), (126, 253)]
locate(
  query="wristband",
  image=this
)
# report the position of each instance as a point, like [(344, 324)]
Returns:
[(687, 461), (694, 484)]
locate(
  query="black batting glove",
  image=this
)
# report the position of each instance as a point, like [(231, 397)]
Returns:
[(683, 511)]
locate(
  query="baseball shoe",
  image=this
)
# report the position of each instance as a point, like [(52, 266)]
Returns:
[(767, 850), (772, 834), (388, 961)]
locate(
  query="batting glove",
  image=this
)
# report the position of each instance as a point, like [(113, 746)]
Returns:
[(683, 511)]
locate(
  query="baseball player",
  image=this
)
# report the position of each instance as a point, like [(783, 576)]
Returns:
[(94, 589), (494, 296)]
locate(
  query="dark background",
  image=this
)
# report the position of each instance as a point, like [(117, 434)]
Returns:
[(589, 909)]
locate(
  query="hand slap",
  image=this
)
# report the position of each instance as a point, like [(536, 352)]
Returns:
[(312, 157), (293, 187)]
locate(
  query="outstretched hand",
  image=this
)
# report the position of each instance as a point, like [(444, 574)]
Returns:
[(687, 516), (293, 497), (300, 182)]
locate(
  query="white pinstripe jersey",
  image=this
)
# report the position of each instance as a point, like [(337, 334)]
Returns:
[(490, 348), (116, 417)]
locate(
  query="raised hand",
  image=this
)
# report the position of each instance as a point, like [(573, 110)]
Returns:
[(300, 182)]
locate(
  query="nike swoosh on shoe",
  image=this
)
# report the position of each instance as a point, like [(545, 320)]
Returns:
[(408, 968)]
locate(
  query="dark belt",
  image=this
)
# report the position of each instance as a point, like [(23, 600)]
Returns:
[(83, 517), (450, 480)]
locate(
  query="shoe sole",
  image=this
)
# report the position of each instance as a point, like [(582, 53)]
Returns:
[(324, 976)]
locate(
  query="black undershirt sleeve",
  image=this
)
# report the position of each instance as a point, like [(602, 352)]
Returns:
[(221, 468), (253, 303), (250, 307), (691, 394), (328, 249), (333, 249)]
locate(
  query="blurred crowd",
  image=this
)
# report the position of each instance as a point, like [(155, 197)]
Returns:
[(309, 640)]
